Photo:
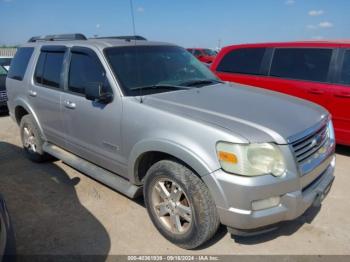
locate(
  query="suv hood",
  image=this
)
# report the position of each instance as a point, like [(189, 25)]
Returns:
[(256, 114)]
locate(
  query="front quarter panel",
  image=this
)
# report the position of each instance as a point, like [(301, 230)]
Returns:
[(146, 129)]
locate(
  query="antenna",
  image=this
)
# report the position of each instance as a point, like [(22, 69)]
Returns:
[(132, 16)]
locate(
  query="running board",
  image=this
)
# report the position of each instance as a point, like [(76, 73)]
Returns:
[(110, 179)]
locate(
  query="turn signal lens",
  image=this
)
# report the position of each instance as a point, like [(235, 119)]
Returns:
[(227, 157)]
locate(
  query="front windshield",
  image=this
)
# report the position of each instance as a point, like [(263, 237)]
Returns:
[(209, 52), (137, 67), (3, 71)]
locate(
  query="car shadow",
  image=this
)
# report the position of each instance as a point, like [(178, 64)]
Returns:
[(286, 228), (343, 150), (46, 213), (4, 113)]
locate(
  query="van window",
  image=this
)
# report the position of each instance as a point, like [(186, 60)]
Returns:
[(243, 61), (49, 68), (20, 62), (83, 71), (345, 71), (301, 63)]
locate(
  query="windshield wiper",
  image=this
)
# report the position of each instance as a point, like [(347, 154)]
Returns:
[(159, 86), (200, 82)]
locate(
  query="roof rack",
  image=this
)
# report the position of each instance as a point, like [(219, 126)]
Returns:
[(126, 37), (62, 37)]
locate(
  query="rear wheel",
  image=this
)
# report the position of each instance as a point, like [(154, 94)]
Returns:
[(32, 140), (179, 204)]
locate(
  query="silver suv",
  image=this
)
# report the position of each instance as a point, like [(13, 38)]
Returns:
[(148, 118)]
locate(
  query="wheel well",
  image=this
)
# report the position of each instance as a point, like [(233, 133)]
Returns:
[(147, 159), (19, 113)]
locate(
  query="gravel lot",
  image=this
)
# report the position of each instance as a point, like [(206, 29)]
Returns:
[(57, 210)]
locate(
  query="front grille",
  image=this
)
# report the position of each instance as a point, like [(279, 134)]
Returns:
[(306, 147), (3, 96)]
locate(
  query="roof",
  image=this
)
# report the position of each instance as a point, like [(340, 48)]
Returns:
[(99, 43), (306, 43)]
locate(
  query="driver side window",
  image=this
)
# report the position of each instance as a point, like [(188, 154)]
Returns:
[(85, 70)]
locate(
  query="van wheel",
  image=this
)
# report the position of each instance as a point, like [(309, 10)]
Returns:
[(32, 140), (179, 204)]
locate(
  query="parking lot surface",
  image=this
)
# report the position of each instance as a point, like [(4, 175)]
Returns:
[(57, 210)]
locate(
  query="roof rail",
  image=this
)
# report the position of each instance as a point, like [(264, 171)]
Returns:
[(126, 37), (62, 37)]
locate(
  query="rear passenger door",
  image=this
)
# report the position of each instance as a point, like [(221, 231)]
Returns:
[(340, 102), (93, 128), (302, 72), (47, 91)]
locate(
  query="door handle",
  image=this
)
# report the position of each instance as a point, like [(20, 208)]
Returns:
[(32, 93), (316, 91), (69, 104), (343, 94)]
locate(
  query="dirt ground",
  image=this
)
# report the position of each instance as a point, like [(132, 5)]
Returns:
[(57, 210)]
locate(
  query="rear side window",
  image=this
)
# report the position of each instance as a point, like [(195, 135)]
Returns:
[(20, 62), (49, 68), (345, 71), (84, 70), (242, 61), (301, 63)]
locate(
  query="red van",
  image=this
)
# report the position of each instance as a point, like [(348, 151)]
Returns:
[(316, 71), (204, 55)]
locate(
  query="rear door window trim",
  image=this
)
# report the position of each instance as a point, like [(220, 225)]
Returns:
[(51, 49)]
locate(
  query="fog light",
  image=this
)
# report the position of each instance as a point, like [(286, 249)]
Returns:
[(266, 203)]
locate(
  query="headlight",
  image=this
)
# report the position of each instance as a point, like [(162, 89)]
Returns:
[(331, 130), (251, 159)]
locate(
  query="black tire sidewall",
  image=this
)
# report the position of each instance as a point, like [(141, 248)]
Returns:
[(39, 155), (184, 178)]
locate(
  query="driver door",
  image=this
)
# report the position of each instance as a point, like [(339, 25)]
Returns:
[(93, 128)]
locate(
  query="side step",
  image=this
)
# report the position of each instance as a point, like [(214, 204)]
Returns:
[(110, 179)]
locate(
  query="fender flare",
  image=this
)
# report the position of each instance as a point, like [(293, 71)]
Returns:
[(22, 103), (172, 148)]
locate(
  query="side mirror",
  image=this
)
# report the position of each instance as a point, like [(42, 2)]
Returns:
[(95, 92)]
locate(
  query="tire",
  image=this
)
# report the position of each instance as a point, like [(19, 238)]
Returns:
[(187, 197), (32, 140)]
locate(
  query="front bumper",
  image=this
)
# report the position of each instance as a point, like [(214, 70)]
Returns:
[(234, 194)]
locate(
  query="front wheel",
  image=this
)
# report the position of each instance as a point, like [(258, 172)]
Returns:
[(179, 204)]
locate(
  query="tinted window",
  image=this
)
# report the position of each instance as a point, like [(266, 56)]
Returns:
[(84, 70), (209, 52), (38, 76), (138, 67), (302, 64), (49, 67), (345, 72), (242, 61), (197, 52), (20, 62)]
